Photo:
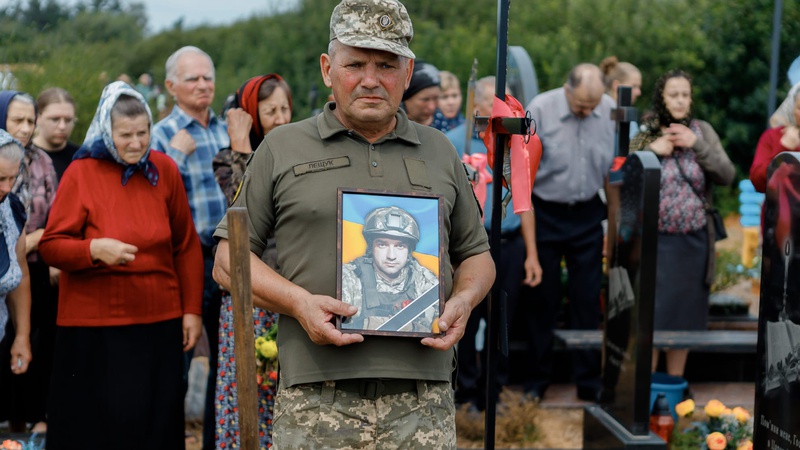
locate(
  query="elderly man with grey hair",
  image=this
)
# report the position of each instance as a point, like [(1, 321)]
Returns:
[(340, 389), (577, 133), (192, 135)]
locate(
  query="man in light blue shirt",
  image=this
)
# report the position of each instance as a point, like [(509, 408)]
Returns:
[(577, 133), (519, 264), (192, 135)]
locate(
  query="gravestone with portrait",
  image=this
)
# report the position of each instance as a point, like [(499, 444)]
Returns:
[(621, 420), (777, 402)]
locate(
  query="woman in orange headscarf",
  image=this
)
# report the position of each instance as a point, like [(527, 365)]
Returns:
[(261, 104)]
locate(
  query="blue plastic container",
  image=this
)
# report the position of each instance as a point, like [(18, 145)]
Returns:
[(745, 185), (671, 386)]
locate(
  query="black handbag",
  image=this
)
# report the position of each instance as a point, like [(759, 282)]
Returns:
[(712, 215), (719, 225)]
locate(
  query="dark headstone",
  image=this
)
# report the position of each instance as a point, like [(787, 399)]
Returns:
[(522, 79), (601, 431), (632, 249), (632, 192), (777, 403)]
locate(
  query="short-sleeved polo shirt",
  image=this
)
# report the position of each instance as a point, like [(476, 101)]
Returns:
[(290, 192)]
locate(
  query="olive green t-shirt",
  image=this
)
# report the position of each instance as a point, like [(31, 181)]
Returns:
[(290, 191)]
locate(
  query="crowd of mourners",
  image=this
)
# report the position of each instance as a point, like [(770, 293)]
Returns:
[(107, 273)]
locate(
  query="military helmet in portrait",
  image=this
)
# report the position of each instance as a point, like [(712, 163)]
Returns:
[(391, 222)]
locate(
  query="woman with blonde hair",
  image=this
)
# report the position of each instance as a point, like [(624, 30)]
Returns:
[(260, 105), (619, 73), (450, 99)]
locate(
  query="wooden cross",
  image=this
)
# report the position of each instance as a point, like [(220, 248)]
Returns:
[(243, 334)]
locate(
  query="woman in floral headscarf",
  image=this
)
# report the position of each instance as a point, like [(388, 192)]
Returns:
[(260, 105), (692, 159), (131, 287)]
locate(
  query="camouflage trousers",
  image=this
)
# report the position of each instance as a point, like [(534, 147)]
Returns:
[(319, 416)]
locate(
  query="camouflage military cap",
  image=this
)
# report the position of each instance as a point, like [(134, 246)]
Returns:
[(374, 24)]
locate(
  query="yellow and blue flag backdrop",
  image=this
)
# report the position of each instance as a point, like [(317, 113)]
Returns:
[(424, 210)]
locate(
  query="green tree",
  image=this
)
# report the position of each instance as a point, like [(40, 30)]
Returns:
[(725, 46)]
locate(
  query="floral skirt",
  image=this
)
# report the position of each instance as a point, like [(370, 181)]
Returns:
[(226, 402)]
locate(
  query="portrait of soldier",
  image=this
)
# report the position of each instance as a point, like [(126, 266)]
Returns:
[(390, 288)]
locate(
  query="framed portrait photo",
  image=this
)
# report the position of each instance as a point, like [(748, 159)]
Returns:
[(390, 262)]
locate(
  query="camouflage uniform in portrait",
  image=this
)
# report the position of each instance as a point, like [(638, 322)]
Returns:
[(378, 296)]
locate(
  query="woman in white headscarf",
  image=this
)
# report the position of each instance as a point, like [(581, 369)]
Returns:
[(24, 397), (15, 293), (130, 290), (781, 138), (784, 115)]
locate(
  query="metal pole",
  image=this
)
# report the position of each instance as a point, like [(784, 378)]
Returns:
[(493, 316), (775, 57)]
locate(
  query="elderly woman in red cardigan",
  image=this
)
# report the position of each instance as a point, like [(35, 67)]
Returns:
[(783, 138), (130, 290)]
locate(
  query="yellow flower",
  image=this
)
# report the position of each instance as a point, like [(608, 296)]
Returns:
[(269, 349), (726, 412), (714, 408), (741, 414), (746, 445), (685, 408), (260, 340), (716, 441)]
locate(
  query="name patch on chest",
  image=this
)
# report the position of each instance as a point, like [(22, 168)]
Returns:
[(319, 166)]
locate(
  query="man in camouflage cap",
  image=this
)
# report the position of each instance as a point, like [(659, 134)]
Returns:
[(339, 389), (378, 25), (388, 277)]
